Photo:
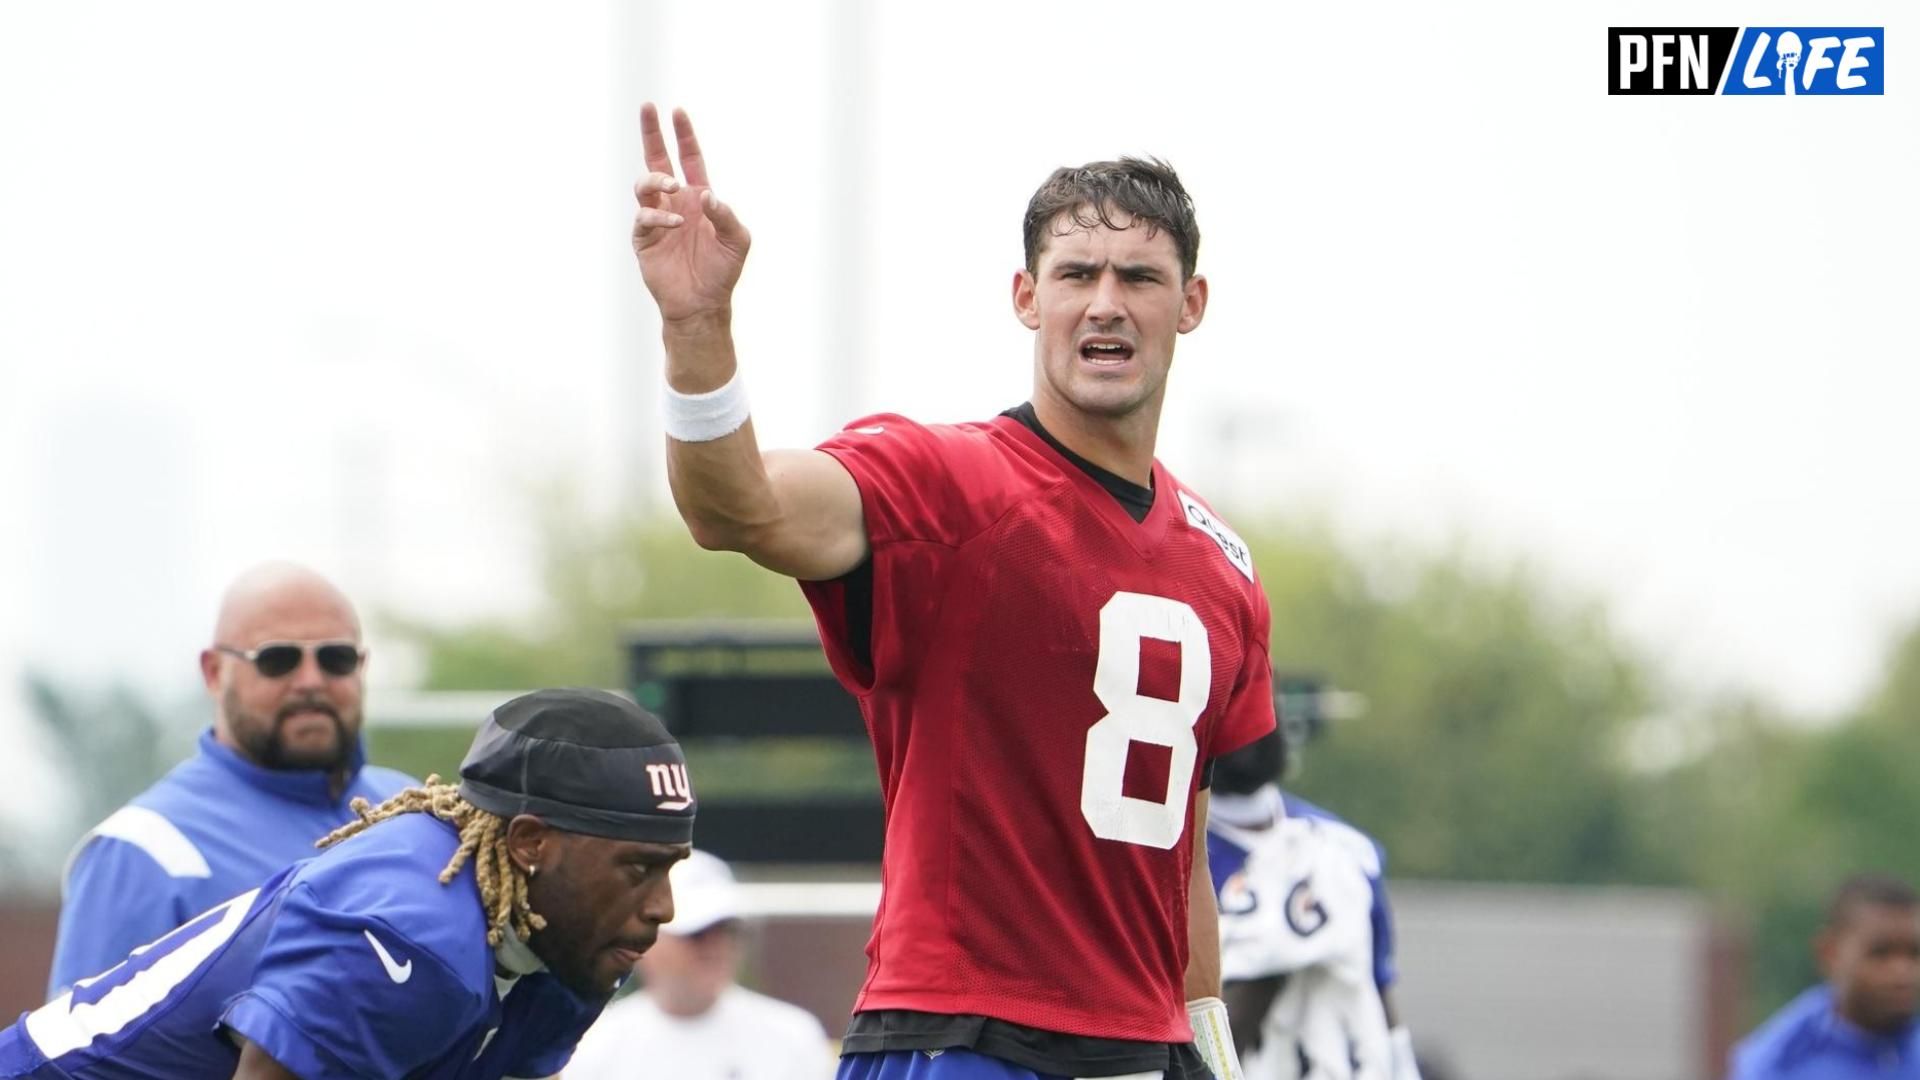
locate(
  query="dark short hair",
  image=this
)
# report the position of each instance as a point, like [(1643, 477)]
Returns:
[(1862, 890), (1139, 189)]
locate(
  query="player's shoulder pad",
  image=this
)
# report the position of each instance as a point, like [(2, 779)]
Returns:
[(1353, 843), (389, 876), (887, 427), (1335, 830), (878, 424), (1201, 516), (885, 434)]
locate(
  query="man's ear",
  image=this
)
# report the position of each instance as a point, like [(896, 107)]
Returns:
[(1193, 305), (530, 842), (1826, 950), (1025, 306)]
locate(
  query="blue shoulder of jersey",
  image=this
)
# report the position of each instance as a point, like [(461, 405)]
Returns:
[(1807, 1038), (1298, 807), (372, 966), (1224, 859), (389, 877), (1386, 969)]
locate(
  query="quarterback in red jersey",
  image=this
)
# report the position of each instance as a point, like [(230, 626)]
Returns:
[(1050, 636)]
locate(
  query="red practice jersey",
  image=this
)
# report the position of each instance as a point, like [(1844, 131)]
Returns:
[(1044, 679)]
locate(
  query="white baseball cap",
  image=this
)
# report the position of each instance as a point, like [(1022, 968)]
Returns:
[(704, 894)]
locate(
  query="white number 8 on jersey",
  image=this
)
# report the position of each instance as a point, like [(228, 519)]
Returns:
[(1132, 717)]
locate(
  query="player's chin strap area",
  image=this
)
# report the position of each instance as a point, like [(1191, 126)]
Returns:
[(1213, 1037)]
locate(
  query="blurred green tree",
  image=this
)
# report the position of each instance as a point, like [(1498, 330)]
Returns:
[(1497, 709), (1803, 808)]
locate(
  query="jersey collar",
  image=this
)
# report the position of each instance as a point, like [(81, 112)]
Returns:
[(516, 957), (1143, 535), (311, 786)]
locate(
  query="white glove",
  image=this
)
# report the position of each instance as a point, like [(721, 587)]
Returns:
[(1404, 1066), (1213, 1037)]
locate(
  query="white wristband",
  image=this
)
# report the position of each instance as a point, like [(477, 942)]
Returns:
[(709, 416)]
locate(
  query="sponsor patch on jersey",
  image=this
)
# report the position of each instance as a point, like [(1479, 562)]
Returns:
[(1230, 543), (1305, 913)]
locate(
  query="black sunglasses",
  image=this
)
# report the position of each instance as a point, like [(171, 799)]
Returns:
[(277, 658)]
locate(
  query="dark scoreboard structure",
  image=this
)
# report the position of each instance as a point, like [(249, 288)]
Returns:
[(778, 750)]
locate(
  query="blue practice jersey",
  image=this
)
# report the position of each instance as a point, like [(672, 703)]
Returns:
[(1226, 856), (1380, 912), (1300, 897), (355, 964), (215, 826)]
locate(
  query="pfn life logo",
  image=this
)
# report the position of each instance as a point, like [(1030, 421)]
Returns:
[(1787, 61)]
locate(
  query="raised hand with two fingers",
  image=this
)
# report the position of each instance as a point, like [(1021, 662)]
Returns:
[(690, 245)]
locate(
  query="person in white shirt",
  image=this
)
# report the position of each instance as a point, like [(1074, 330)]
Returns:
[(690, 1019)]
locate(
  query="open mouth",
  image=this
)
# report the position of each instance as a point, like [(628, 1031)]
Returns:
[(1105, 352)]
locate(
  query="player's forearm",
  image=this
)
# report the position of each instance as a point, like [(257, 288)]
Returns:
[(795, 512), (720, 486), (722, 491), (699, 348), (1203, 948), (1203, 913)]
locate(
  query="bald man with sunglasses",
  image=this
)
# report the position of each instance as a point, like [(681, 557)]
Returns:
[(286, 672)]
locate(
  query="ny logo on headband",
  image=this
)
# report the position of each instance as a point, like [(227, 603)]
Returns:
[(670, 786)]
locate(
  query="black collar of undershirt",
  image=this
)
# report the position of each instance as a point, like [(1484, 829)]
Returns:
[(1135, 499)]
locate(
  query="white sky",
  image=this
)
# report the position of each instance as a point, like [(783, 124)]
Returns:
[(341, 284)]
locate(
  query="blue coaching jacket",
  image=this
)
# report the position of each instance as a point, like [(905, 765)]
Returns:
[(1807, 1040), (214, 827)]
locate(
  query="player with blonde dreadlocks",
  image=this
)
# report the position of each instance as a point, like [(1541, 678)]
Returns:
[(483, 838), (411, 946)]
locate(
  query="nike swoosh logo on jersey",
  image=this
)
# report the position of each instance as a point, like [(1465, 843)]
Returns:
[(873, 429), (397, 972)]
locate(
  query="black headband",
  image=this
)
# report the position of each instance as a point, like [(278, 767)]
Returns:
[(584, 761)]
